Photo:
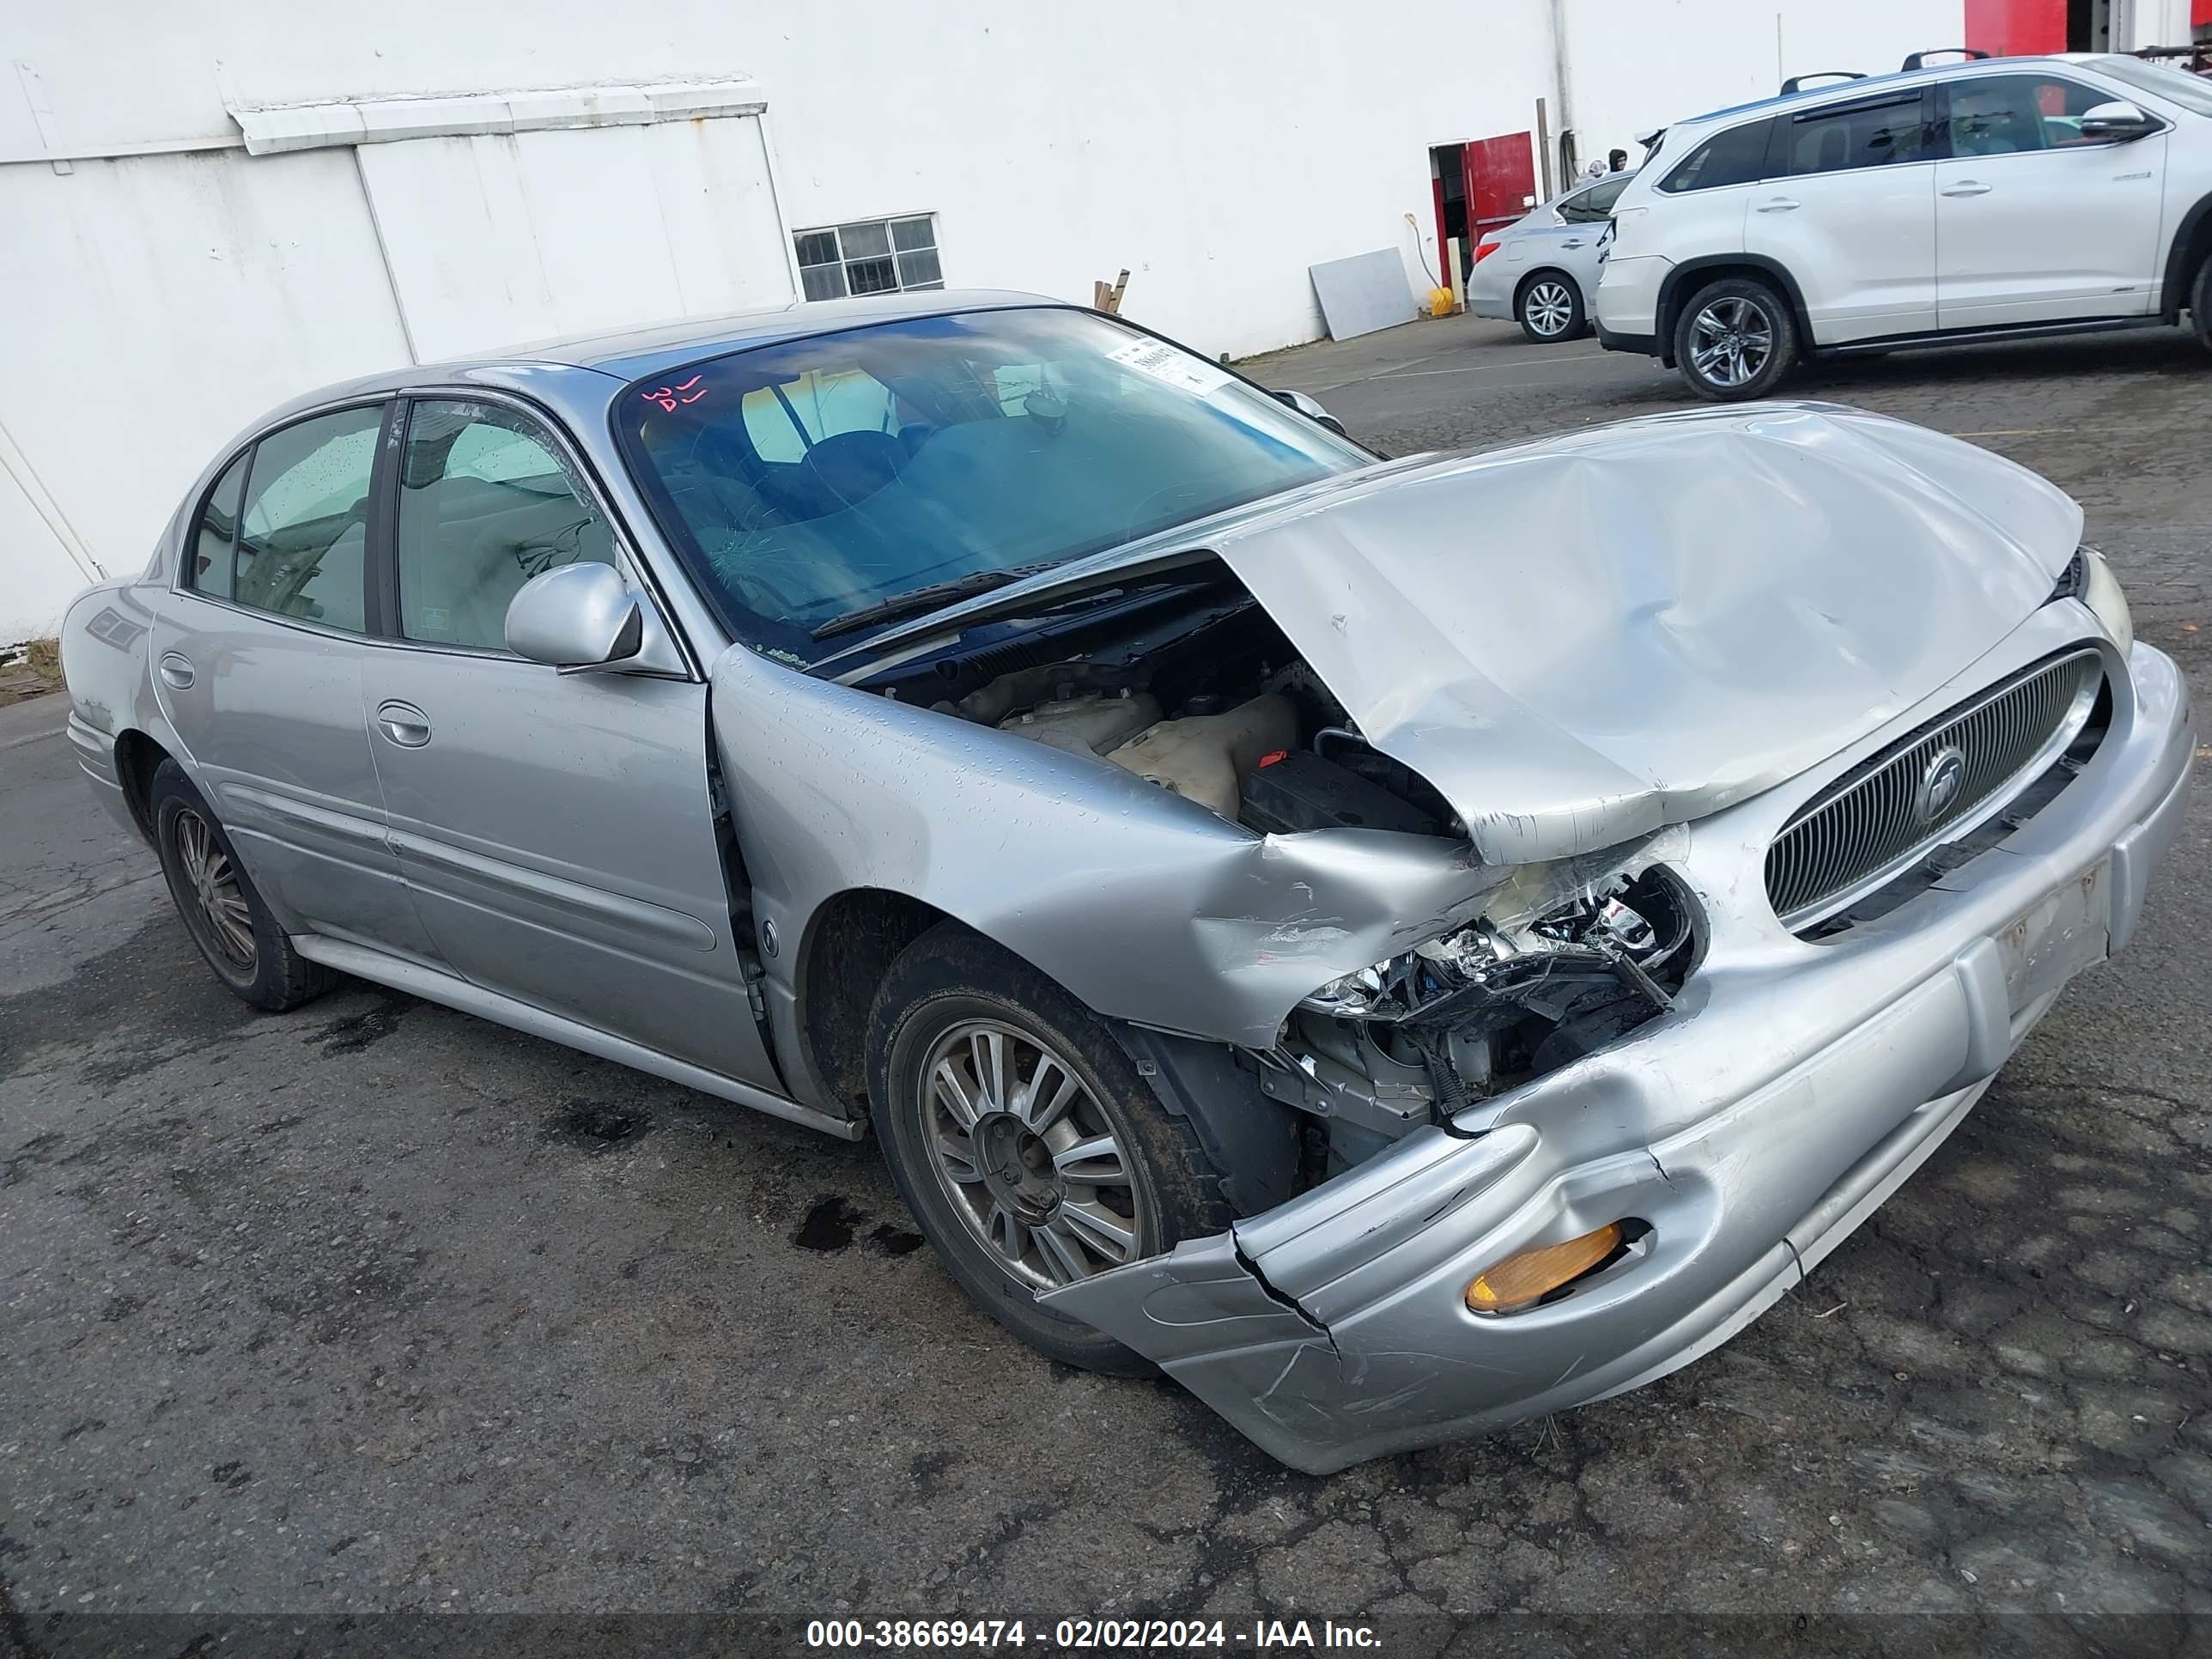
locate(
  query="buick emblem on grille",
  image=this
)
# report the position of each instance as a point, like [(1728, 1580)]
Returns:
[(1939, 784)]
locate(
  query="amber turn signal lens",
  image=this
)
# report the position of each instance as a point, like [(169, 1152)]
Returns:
[(1521, 1280)]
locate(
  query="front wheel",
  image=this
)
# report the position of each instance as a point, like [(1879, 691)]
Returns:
[(1734, 339), (1020, 1135), (1550, 308)]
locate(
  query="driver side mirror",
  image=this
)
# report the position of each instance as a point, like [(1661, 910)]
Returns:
[(584, 617), (1311, 409), (2117, 122)]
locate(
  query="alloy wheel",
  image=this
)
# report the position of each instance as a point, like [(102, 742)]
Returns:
[(1027, 1155), (226, 921), (1549, 308), (1731, 341)]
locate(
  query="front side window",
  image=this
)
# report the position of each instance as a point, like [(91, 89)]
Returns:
[(305, 527), (1737, 156), (1863, 135), (2005, 114), (485, 503), (807, 480), (870, 256), (210, 553)]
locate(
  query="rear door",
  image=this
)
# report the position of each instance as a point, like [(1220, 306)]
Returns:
[(1848, 209), (257, 663), (557, 829), (2034, 223)]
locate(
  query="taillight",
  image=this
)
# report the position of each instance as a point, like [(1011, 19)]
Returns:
[(1484, 248)]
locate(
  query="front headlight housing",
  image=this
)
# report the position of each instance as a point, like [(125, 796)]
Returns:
[(2097, 588)]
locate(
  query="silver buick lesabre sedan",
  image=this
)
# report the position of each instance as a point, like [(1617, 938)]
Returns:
[(1401, 944)]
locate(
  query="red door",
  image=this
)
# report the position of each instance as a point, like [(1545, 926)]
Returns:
[(1501, 181)]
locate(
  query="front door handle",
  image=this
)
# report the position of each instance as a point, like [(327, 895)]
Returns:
[(174, 670), (1966, 187), (1779, 204), (403, 723)]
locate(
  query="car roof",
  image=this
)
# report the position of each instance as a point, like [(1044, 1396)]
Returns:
[(631, 353), (1866, 85)]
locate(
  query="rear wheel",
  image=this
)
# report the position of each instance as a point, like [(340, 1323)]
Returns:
[(1020, 1135), (224, 914), (1550, 308), (1734, 339)]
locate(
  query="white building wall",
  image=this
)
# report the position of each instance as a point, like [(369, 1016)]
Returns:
[(1637, 64)]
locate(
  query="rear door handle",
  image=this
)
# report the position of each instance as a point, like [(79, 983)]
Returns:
[(403, 723), (1573, 242), (174, 670), (1966, 187), (1779, 204)]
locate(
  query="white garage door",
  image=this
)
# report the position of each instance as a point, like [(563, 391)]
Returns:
[(500, 239)]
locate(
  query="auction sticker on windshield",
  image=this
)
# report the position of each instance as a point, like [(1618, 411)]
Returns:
[(1177, 368)]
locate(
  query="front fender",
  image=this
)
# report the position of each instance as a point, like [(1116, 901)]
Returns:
[(1146, 906)]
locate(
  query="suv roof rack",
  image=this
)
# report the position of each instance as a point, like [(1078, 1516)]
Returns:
[(1919, 60), (1796, 83)]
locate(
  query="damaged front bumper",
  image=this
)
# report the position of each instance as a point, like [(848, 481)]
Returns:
[(1793, 1087)]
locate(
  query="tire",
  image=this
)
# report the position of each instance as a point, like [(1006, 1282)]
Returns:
[(947, 998), (1549, 308), (1740, 315), (2200, 302), (231, 925)]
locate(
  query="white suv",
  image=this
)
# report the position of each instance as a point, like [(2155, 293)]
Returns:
[(2004, 198)]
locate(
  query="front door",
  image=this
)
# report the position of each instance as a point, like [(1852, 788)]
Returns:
[(1848, 209), (558, 830), (2033, 222), (258, 664)]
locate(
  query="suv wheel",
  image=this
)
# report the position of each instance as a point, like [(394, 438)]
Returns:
[(228, 919), (1020, 1135), (1734, 339), (1549, 308)]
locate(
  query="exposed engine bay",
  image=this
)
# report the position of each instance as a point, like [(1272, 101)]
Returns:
[(1195, 690)]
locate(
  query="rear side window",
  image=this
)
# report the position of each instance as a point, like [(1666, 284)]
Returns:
[(1862, 136), (1595, 205), (485, 503), (1737, 156), (209, 555), (305, 524)]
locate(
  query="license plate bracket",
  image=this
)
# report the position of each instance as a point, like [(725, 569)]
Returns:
[(2068, 929)]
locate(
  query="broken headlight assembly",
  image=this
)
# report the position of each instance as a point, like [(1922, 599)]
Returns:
[(1544, 977), (2089, 579)]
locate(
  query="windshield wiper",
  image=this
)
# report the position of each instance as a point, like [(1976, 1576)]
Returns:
[(919, 601)]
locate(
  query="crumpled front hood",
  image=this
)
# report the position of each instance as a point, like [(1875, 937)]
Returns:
[(1581, 639)]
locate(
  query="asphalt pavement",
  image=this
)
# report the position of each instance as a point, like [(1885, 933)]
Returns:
[(375, 1309)]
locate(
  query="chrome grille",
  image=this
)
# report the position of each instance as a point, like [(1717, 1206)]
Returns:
[(1878, 818)]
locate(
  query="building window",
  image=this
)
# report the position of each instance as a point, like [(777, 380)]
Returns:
[(874, 256)]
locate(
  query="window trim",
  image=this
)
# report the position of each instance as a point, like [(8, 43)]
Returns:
[(384, 552), (178, 585), (1937, 134), (1941, 91)]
